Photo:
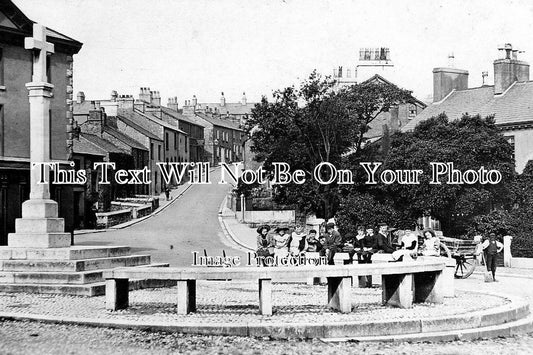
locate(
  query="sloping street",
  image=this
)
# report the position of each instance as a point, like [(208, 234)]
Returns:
[(189, 224)]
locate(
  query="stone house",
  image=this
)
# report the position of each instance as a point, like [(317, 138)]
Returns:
[(510, 100)]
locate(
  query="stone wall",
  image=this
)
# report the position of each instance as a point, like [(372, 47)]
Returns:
[(108, 219)]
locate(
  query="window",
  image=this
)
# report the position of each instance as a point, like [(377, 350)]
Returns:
[(166, 141), (510, 140), (348, 73), (175, 140), (186, 144), (412, 111), (152, 151), (159, 152), (1, 67)]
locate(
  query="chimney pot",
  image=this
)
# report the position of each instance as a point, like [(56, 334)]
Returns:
[(80, 97), (509, 69)]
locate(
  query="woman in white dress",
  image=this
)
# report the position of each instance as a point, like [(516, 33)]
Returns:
[(431, 246), (298, 242)]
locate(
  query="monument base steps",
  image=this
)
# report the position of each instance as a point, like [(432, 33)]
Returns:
[(73, 270)]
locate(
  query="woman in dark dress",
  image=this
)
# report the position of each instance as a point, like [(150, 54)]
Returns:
[(265, 245)]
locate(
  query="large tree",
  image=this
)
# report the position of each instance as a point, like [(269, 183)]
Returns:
[(314, 124), (471, 142)]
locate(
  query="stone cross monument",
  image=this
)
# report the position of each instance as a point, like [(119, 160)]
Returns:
[(38, 257), (39, 226)]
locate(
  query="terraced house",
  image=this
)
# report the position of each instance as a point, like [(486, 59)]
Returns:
[(224, 137)]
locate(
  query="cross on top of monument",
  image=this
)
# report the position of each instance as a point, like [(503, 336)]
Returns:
[(38, 43)]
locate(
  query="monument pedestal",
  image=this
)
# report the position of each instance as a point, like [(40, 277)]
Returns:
[(39, 226)]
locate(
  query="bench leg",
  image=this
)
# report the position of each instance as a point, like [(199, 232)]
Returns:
[(116, 294), (186, 296), (265, 297), (339, 293), (429, 287), (448, 275), (397, 290)]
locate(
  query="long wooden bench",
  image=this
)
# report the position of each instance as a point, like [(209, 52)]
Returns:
[(403, 283)]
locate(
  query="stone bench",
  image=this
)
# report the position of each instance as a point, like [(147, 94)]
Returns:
[(402, 283)]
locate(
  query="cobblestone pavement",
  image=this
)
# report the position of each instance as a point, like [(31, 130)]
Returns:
[(237, 302), (37, 338)]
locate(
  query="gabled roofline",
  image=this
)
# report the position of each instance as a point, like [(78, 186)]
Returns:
[(25, 29), (379, 77), (160, 122)]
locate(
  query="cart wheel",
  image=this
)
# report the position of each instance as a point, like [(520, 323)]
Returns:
[(464, 267)]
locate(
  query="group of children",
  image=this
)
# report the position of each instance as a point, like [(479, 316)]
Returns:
[(282, 243), (404, 245), (364, 244)]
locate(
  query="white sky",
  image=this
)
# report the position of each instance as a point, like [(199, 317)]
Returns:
[(204, 47)]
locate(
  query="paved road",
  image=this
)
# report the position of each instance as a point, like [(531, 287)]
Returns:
[(189, 224)]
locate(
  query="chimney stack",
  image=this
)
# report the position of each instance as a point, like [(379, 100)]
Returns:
[(145, 95), (94, 123), (80, 97), (126, 101), (447, 79), (508, 69), (194, 100), (222, 100), (243, 100), (173, 103), (114, 95), (155, 98)]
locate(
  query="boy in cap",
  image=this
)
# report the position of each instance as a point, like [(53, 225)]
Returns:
[(332, 242), (492, 247), (313, 245)]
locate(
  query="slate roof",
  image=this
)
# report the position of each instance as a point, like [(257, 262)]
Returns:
[(124, 138), (186, 118), (122, 117), (152, 118), (378, 78), (514, 106), (84, 146), (219, 122), (100, 143)]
